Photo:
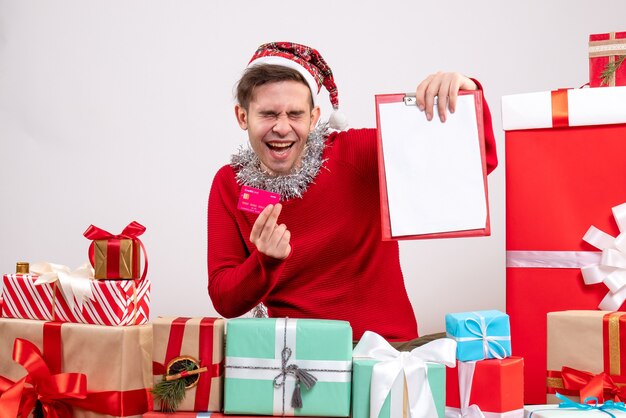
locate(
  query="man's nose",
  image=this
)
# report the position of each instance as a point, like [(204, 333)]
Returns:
[(282, 126)]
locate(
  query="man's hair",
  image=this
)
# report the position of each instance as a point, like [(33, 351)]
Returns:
[(257, 75)]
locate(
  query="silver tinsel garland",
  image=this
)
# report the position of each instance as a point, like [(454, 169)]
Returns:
[(249, 173)]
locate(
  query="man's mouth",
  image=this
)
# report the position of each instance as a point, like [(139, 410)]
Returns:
[(279, 146)]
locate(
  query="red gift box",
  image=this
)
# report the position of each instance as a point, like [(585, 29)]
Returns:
[(114, 302), (607, 49), (559, 182), (497, 386)]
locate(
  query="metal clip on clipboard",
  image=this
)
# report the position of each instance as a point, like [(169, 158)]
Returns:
[(411, 100)]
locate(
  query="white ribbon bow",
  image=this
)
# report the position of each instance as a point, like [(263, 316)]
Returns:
[(489, 341), (612, 268), (75, 284), (466, 377), (412, 365)]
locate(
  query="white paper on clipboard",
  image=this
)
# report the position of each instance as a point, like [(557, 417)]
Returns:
[(434, 171)]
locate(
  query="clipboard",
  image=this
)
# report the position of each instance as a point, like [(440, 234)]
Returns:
[(432, 175)]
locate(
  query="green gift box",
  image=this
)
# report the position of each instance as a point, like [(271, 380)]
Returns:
[(388, 383), (285, 366), (396, 400)]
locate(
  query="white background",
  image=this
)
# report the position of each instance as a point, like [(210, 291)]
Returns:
[(112, 111)]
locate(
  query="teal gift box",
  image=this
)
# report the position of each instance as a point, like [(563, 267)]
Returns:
[(285, 366), (480, 335), (395, 402), (387, 383)]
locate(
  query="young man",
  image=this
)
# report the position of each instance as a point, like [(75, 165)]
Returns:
[(318, 253)]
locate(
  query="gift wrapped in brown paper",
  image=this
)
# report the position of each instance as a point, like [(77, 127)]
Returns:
[(191, 349), (112, 365), (587, 355)]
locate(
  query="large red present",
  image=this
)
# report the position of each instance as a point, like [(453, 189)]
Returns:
[(607, 52), (77, 299), (191, 344), (75, 370), (565, 153), (495, 386)]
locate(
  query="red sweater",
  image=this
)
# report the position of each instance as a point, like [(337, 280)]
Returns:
[(339, 268)]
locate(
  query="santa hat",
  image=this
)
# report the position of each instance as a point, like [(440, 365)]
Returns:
[(310, 64)]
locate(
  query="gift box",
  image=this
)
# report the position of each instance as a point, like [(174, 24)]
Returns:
[(104, 371), (117, 256), (194, 415), (585, 357), (387, 383), (606, 56), (494, 386), (559, 182), (572, 409), (99, 302), (285, 366), (480, 335), (178, 341)]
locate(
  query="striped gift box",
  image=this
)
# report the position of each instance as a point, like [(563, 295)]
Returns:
[(114, 302)]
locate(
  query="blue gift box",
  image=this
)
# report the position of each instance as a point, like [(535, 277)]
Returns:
[(480, 335)]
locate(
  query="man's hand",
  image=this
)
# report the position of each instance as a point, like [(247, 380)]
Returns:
[(268, 237), (446, 87)]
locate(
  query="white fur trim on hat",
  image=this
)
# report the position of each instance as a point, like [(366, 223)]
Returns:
[(285, 62)]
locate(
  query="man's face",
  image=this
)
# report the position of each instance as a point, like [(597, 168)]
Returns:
[(279, 120)]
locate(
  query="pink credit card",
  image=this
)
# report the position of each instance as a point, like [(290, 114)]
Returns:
[(254, 200)]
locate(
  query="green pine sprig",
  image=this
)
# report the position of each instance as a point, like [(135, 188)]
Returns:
[(610, 69), (172, 392)]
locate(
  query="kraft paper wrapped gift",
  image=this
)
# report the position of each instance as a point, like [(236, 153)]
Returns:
[(606, 56), (269, 362), (495, 387), (564, 173), (199, 339), (116, 363), (58, 294), (479, 335), (117, 256), (387, 383), (585, 355)]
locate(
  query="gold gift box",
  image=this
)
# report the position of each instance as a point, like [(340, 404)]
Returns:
[(129, 259)]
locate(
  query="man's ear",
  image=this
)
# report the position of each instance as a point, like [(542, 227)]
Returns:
[(242, 116), (315, 116)]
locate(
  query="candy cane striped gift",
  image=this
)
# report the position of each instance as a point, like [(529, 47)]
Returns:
[(111, 302)]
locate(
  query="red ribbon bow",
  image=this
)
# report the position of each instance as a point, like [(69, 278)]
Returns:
[(55, 392), (593, 385), (132, 231)]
